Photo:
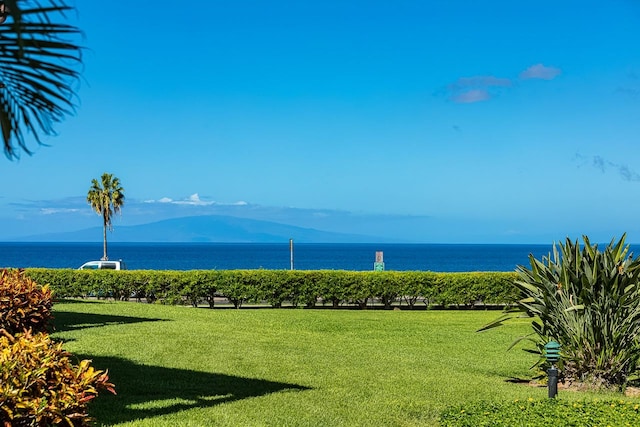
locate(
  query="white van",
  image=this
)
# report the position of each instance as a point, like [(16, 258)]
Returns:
[(103, 265)]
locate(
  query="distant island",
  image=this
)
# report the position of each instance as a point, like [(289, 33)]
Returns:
[(208, 228)]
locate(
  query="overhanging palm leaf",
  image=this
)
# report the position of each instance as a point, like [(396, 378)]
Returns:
[(37, 70)]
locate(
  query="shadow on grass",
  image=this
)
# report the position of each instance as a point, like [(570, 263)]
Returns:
[(150, 391), (71, 321)]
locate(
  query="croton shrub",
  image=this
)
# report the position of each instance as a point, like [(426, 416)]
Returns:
[(24, 305)]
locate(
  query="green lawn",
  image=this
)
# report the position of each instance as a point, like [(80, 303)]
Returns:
[(180, 366)]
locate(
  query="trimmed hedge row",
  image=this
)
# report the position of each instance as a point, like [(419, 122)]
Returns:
[(277, 287)]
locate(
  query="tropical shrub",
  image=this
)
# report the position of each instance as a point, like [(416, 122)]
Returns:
[(39, 386), (23, 303), (588, 301)]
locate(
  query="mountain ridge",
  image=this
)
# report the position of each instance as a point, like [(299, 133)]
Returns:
[(207, 228)]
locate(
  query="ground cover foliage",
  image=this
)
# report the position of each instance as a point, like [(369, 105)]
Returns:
[(588, 300), (543, 413), (180, 366)]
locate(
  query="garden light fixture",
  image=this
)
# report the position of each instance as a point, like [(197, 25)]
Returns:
[(552, 354)]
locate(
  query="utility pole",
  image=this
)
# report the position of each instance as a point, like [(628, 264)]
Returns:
[(291, 252)]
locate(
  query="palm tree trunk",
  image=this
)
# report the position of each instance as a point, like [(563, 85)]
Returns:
[(104, 243)]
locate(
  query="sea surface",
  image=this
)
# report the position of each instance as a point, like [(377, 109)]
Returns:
[(306, 256)]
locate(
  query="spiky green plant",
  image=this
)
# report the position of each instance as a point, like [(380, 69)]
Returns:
[(589, 301)]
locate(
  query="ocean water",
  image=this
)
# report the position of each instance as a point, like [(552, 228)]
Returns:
[(306, 256)]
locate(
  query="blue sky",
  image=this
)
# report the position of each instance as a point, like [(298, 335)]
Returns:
[(434, 121)]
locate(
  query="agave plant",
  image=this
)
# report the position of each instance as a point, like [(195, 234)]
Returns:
[(588, 301), (38, 67)]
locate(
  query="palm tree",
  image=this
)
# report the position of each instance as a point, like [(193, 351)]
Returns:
[(37, 70), (106, 198)]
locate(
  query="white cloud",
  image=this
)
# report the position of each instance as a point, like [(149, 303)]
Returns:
[(471, 96), (467, 90), (163, 200), (540, 71), (53, 211), (194, 200)]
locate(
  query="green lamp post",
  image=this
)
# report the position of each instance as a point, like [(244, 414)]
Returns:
[(552, 354)]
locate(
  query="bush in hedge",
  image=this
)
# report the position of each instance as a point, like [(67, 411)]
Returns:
[(194, 287), (269, 286), (301, 287), (308, 290), (332, 287), (237, 286), (24, 304), (381, 285), (496, 287), (415, 285), (39, 386), (63, 281), (355, 288), (543, 413)]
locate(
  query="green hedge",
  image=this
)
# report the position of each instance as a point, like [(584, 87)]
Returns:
[(277, 287)]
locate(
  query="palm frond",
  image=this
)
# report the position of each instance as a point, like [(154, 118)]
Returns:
[(39, 65)]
